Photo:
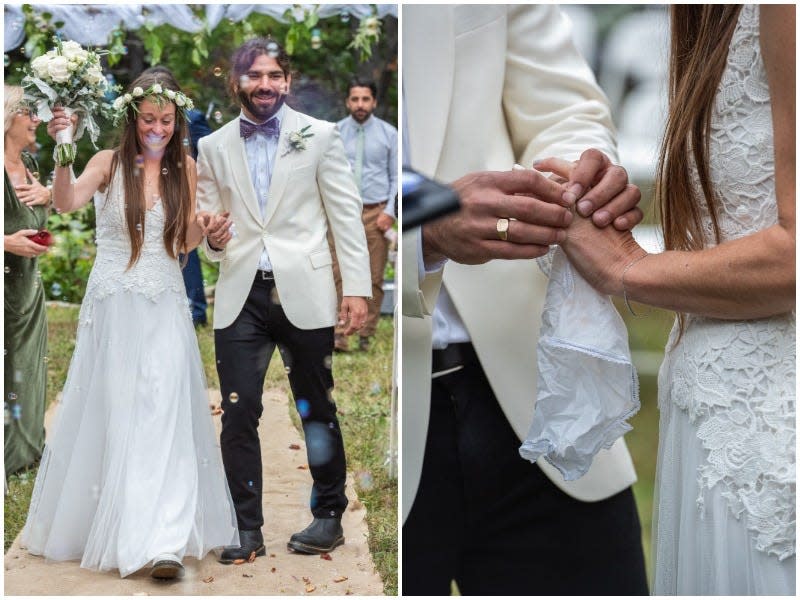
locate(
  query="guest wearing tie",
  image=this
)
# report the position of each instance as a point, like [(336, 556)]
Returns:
[(284, 181), (371, 147)]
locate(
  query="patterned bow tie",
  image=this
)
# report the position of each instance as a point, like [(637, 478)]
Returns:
[(270, 128)]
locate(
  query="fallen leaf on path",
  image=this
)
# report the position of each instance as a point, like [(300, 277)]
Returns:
[(310, 588), (339, 579), (348, 592), (303, 467), (272, 555), (294, 446), (246, 575), (208, 579), (306, 580), (272, 570), (325, 556)]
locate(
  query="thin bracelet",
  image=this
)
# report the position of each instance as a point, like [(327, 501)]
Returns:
[(624, 292)]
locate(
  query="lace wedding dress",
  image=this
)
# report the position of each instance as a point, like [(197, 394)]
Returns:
[(726, 461), (132, 467)]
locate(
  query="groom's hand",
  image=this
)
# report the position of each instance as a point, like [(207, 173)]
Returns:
[(217, 230), (353, 312), (532, 204), (599, 188)]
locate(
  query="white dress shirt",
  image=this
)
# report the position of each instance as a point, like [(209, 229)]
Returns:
[(261, 151)]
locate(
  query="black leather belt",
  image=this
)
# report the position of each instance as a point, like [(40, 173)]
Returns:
[(452, 357), (264, 275)]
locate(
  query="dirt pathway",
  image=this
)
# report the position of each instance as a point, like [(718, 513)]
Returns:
[(287, 484)]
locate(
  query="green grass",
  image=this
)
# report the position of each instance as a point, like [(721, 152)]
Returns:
[(362, 394)]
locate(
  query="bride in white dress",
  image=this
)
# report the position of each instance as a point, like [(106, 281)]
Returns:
[(725, 497), (132, 471)]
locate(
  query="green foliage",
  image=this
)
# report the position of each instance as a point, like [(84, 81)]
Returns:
[(65, 268), (38, 31), (201, 63), (323, 61), (17, 500)]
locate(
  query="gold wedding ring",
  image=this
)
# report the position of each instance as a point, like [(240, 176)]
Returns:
[(502, 229)]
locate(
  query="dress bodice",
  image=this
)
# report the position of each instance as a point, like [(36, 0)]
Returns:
[(736, 379), (153, 273), (741, 152)]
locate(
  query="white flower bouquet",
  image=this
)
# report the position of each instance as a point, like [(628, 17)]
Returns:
[(68, 76)]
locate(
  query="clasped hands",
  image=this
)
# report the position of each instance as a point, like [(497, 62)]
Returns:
[(518, 214), (217, 229)]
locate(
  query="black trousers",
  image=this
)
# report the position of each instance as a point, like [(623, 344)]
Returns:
[(493, 522), (243, 351)]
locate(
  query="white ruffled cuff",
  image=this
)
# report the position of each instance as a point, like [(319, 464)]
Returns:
[(587, 386)]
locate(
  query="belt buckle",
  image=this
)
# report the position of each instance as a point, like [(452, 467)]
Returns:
[(265, 275)]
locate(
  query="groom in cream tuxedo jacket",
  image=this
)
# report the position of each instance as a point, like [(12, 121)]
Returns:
[(485, 87), (282, 179)]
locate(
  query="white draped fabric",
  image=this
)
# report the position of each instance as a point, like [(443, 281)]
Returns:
[(90, 25)]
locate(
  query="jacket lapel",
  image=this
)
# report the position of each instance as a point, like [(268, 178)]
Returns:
[(283, 163), (233, 146), (429, 61)]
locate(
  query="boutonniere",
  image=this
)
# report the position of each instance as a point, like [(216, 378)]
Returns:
[(296, 140)]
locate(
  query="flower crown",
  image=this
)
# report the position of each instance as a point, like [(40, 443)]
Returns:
[(120, 106)]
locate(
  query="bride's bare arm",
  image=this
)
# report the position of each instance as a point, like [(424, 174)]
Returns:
[(751, 277), (71, 195), (194, 232)]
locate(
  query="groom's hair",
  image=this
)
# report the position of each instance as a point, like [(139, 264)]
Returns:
[(245, 54)]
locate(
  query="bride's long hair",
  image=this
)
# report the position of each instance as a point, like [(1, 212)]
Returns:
[(174, 188), (701, 34)]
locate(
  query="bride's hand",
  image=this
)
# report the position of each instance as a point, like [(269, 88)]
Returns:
[(60, 121), (600, 255), (599, 187)]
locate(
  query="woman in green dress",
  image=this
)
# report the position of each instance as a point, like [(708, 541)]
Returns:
[(25, 338)]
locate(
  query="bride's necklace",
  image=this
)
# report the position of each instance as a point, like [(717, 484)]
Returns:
[(151, 191)]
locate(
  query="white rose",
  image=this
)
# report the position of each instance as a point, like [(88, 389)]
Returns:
[(170, 94), (128, 97), (72, 51), (58, 69), (179, 100), (137, 91), (70, 48), (372, 26), (157, 88), (39, 65), (119, 102), (94, 75)]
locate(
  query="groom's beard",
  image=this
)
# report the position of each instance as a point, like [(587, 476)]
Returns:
[(261, 113)]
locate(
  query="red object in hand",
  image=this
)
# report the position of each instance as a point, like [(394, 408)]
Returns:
[(43, 238)]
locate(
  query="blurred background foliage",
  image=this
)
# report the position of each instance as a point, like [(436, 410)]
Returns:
[(325, 52)]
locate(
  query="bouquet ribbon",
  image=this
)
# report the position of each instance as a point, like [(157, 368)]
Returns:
[(65, 149)]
